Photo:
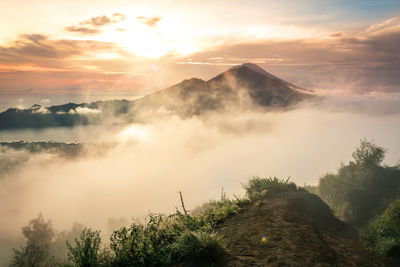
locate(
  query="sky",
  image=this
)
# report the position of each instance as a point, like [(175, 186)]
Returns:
[(57, 50)]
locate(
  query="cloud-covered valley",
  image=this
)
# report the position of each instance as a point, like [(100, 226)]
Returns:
[(145, 164)]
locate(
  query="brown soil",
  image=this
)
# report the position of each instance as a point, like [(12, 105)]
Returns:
[(299, 230)]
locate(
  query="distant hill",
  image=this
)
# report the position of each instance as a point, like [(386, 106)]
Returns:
[(242, 87), (63, 149)]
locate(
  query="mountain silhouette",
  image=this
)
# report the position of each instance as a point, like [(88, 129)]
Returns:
[(246, 86), (242, 87)]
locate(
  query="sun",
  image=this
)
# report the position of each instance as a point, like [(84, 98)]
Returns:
[(149, 41), (144, 43)]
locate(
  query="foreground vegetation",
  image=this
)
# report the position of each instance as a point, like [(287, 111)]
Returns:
[(384, 231), (363, 193), (162, 240)]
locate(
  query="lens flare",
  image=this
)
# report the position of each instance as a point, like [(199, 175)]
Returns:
[(264, 239)]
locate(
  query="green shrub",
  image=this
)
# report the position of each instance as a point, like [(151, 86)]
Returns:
[(86, 252), (386, 247), (363, 187), (214, 211), (383, 233), (199, 247), (163, 240), (146, 244), (386, 226), (257, 187)]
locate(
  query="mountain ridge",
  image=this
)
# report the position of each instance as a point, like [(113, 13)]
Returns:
[(242, 87)]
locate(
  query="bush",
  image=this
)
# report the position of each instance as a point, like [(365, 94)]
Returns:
[(257, 187), (362, 188), (216, 210), (143, 244), (199, 247), (86, 251), (164, 240), (387, 247), (384, 232)]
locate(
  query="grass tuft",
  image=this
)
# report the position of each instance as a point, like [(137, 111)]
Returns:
[(200, 247), (258, 188)]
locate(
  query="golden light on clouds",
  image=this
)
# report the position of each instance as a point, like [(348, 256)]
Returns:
[(304, 43), (155, 36), (149, 37)]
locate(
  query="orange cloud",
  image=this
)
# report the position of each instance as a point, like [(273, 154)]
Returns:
[(82, 30), (149, 21), (92, 25), (38, 49), (97, 21)]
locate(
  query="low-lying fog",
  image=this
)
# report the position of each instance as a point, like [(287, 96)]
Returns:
[(151, 162)]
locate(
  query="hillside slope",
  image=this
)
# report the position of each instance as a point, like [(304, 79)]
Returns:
[(298, 229)]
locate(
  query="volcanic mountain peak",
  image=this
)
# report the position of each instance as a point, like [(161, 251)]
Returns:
[(253, 67), (243, 87), (267, 75)]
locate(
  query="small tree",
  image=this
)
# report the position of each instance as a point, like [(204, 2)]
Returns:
[(86, 252), (36, 252), (369, 154)]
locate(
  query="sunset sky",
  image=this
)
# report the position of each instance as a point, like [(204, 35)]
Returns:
[(54, 47), (105, 165)]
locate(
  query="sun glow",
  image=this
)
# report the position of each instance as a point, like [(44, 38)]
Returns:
[(167, 36), (142, 43), (149, 41), (161, 34), (134, 133)]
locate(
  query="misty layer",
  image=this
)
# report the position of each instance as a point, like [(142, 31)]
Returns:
[(143, 165), (193, 155)]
